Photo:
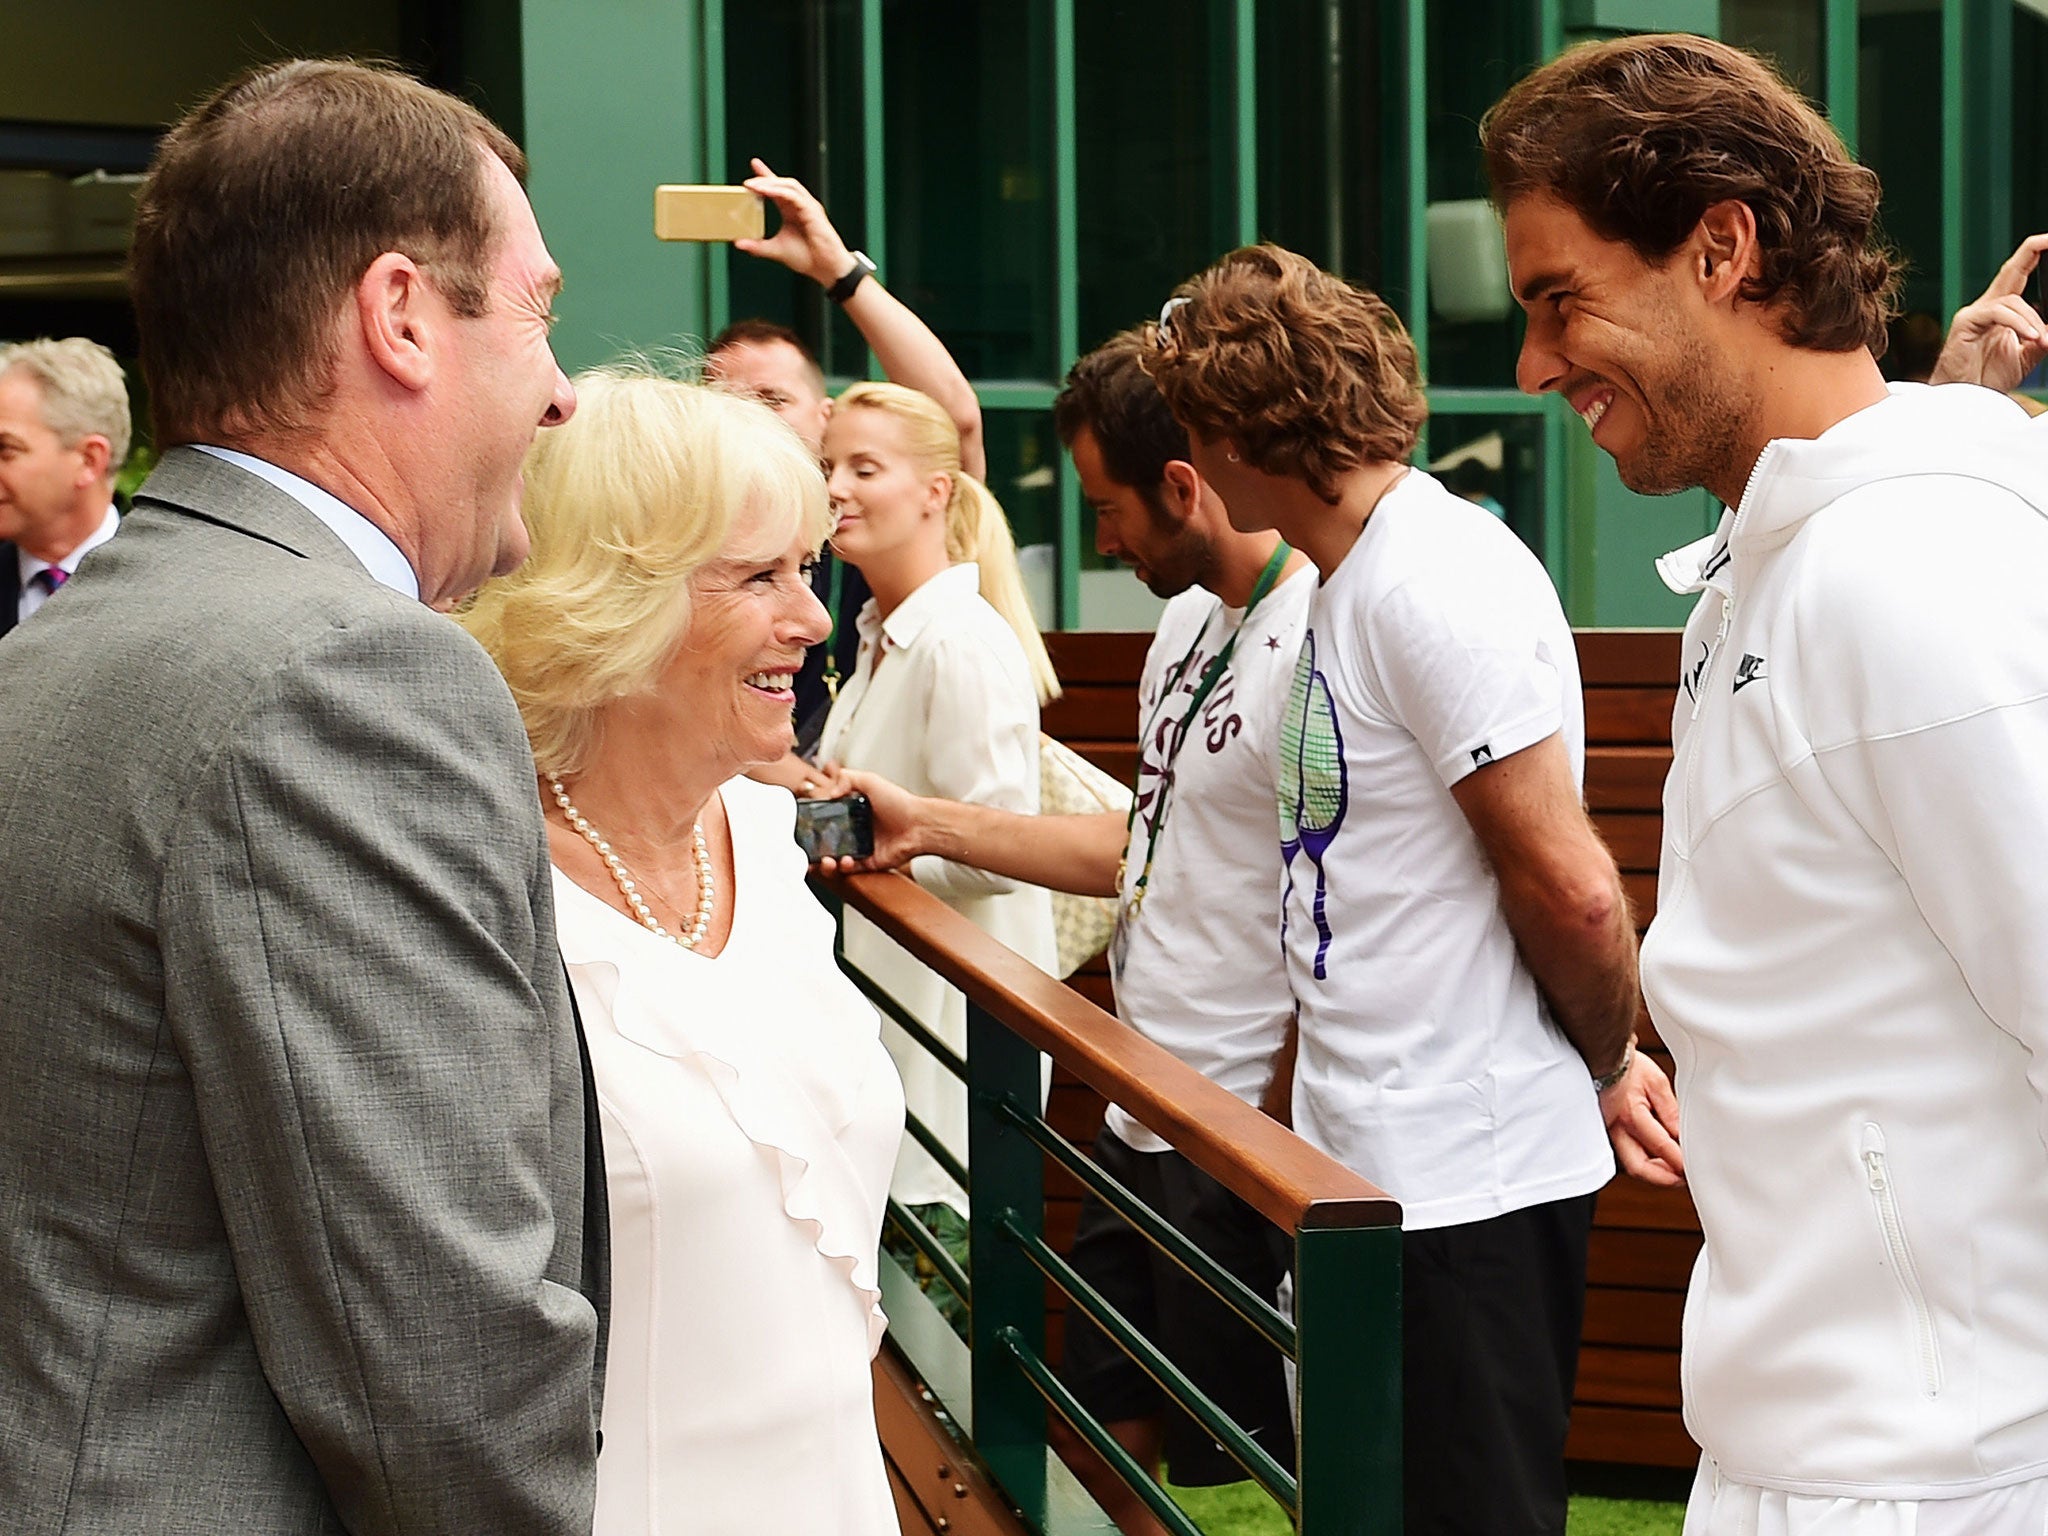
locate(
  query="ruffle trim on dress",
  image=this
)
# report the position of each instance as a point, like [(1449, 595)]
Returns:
[(819, 1191)]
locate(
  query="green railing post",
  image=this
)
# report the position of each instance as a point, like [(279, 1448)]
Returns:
[(1066, 226), (1009, 1293), (1347, 1317)]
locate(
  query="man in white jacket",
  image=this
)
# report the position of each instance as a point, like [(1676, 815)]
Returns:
[(1847, 959)]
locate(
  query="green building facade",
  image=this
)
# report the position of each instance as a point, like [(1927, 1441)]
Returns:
[(1034, 175)]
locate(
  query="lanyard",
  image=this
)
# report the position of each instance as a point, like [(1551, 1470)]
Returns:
[(836, 575), (1211, 675)]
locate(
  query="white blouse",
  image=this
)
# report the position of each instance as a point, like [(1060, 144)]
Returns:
[(750, 1118), (941, 702)]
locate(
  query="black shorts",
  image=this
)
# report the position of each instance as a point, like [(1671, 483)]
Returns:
[(1237, 1367), (1491, 1314)]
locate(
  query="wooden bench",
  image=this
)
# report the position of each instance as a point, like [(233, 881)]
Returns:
[(1644, 1240)]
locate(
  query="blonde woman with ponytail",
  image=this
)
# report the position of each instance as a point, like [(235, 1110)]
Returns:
[(943, 700)]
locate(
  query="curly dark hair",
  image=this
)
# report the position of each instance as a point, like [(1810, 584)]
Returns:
[(1309, 376), (1641, 135), (1109, 393)]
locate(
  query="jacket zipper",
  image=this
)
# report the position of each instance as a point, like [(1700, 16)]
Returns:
[(1699, 698), (1699, 694), (1903, 1269)]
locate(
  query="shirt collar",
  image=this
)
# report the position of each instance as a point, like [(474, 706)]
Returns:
[(365, 540), (941, 592), (109, 526)]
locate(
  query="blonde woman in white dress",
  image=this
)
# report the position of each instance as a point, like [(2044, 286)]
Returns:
[(943, 700), (750, 1112)]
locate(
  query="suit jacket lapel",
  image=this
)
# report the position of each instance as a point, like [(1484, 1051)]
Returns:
[(215, 491)]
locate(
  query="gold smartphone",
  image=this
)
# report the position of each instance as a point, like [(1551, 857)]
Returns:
[(708, 213)]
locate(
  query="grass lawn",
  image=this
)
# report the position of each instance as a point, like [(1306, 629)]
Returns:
[(1241, 1509)]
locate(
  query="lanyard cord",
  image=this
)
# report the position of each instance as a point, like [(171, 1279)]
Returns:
[(836, 576), (1211, 675)]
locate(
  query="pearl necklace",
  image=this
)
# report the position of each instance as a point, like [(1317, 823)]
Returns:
[(707, 891)]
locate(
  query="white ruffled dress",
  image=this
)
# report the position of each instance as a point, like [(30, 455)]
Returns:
[(751, 1117)]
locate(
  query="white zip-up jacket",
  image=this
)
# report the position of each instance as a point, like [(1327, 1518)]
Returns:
[(1850, 956)]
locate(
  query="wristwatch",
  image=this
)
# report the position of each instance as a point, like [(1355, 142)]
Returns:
[(842, 290), (1628, 1059)]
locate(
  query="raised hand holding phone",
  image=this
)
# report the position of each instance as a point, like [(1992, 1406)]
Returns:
[(807, 243)]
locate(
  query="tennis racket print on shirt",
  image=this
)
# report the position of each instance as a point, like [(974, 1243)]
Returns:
[(1314, 790)]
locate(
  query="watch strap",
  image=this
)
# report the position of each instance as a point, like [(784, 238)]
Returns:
[(842, 290)]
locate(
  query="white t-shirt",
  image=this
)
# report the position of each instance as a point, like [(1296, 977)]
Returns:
[(1429, 1062), (1197, 963)]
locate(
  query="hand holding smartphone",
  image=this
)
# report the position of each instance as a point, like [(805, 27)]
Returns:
[(838, 829)]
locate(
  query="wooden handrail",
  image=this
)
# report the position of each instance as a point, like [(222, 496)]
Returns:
[(1279, 1175)]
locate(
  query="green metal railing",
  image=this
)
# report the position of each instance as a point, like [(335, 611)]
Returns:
[(1344, 1338)]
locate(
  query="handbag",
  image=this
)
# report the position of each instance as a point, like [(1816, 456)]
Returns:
[(1070, 785)]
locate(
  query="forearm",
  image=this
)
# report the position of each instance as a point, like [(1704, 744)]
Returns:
[(912, 356), (1062, 853), (1560, 893), (1580, 946)]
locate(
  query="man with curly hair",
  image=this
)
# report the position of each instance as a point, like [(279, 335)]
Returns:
[(1846, 960), (1456, 938)]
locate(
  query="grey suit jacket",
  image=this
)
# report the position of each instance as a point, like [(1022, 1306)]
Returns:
[(301, 1229)]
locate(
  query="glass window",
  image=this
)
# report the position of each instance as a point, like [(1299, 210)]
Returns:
[(1154, 174), (1475, 52), (111, 62), (793, 98), (2029, 147), (1496, 461), (1792, 36), (1898, 116), (1323, 116), (1023, 471), (967, 135)]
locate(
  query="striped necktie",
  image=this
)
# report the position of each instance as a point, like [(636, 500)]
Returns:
[(50, 578)]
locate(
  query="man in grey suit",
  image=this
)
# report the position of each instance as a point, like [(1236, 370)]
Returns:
[(301, 1225)]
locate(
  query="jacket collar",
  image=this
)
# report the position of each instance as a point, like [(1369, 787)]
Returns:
[(215, 491), (943, 592), (1918, 429)]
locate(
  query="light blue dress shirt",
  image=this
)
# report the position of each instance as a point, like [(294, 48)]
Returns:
[(366, 541)]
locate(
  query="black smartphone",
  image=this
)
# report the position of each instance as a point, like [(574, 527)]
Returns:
[(838, 829)]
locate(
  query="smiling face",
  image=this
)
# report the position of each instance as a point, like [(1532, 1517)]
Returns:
[(752, 616), (885, 503), (503, 385), (1625, 342), (44, 485)]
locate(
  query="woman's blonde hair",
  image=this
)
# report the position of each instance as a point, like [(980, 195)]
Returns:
[(976, 528), (625, 502)]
